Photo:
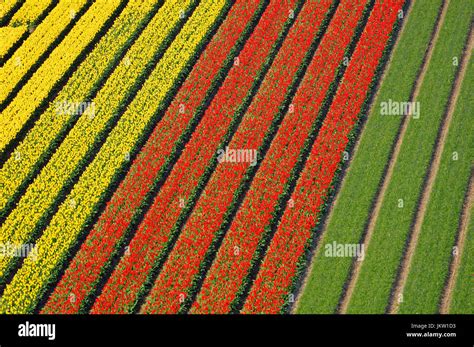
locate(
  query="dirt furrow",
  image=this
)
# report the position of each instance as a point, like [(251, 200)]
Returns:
[(432, 173), (393, 159)]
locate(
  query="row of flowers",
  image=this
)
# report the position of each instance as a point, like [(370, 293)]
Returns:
[(88, 131), (37, 89), (7, 8), (130, 277), (30, 12), (10, 36), (50, 29), (228, 274), (84, 272), (191, 251), (30, 282), (271, 289)]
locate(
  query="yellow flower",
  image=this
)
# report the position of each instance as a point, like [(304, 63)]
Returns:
[(31, 50), (29, 282)]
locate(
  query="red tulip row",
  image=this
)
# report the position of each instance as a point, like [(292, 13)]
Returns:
[(270, 291), (234, 259), (152, 237), (184, 263), (86, 268)]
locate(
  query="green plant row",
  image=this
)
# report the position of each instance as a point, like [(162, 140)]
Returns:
[(380, 269), (430, 266), (325, 284)]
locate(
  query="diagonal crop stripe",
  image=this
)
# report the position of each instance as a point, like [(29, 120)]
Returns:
[(23, 292), (71, 156), (221, 287), (38, 87), (84, 275), (31, 12), (279, 266), (35, 46), (10, 35), (39, 142), (194, 245), (128, 283)]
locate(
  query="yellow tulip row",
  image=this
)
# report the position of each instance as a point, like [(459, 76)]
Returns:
[(27, 153), (45, 189), (8, 37), (81, 138), (22, 294), (6, 6), (36, 44), (29, 12), (59, 61)]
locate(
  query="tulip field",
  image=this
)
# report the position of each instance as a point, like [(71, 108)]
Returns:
[(231, 156)]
